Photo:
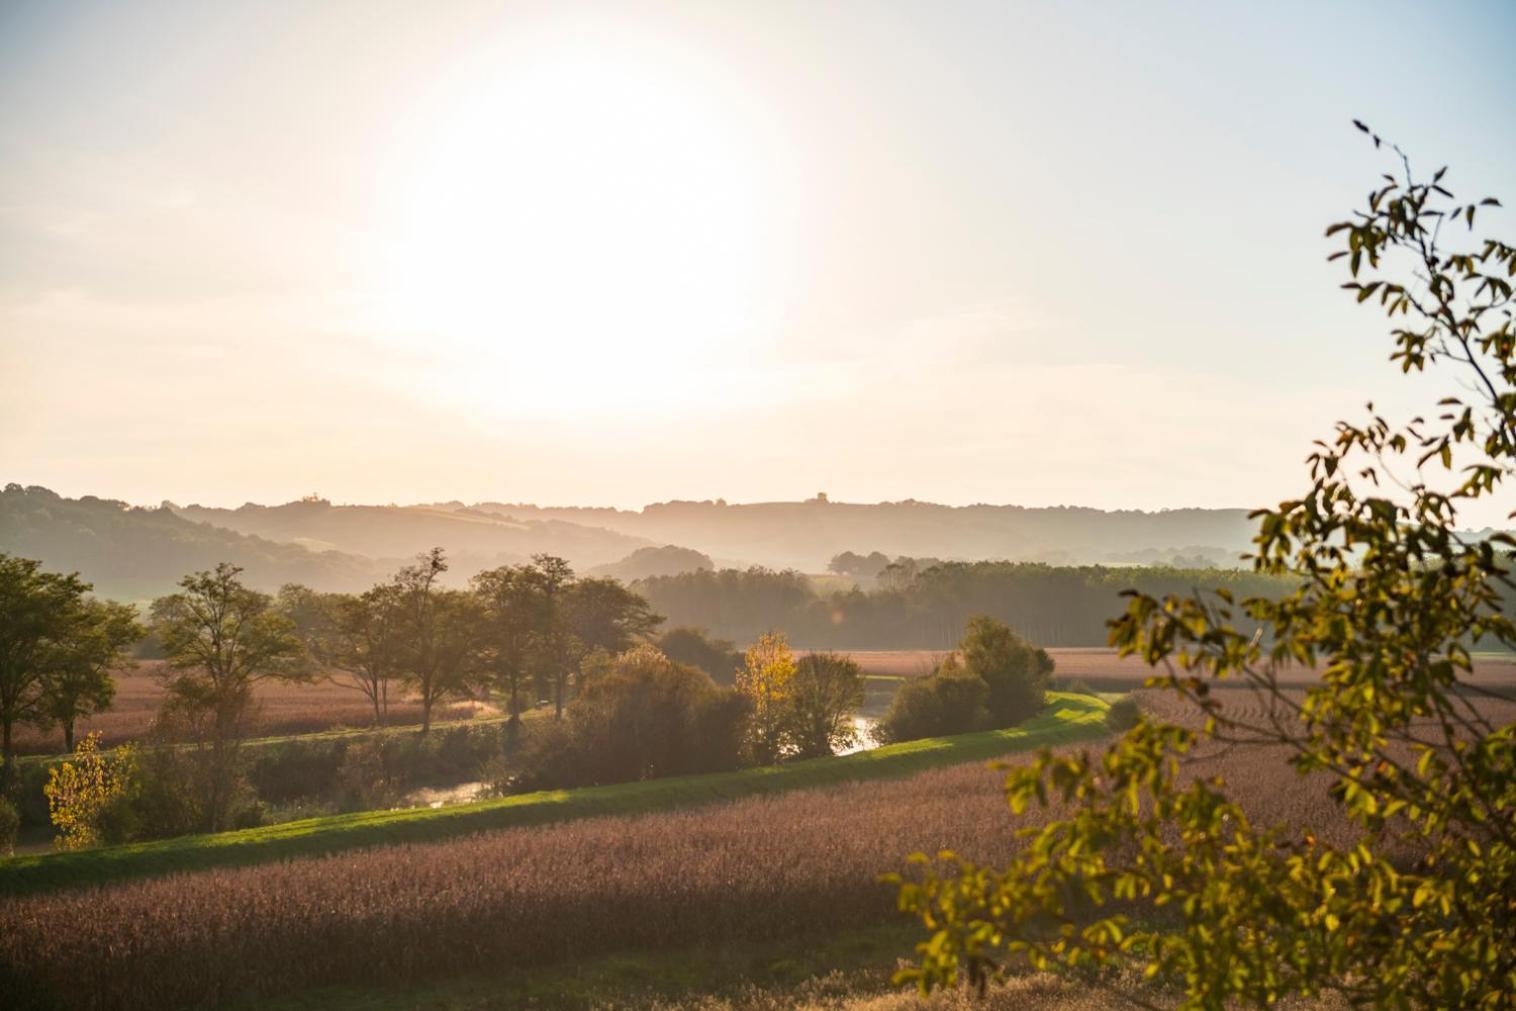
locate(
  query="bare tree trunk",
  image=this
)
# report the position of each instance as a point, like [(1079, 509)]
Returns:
[(68, 736)]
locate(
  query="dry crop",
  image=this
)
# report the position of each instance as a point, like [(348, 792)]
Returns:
[(279, 709), (754, 869), (1103, 668)]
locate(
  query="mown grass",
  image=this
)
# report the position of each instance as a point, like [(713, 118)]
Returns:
[(1068, 717)]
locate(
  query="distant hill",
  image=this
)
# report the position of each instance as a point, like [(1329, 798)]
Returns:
[(644, 563), (805, 535), (134, 553), (474, 539)]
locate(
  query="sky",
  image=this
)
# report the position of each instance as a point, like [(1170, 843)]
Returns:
[(617, 253)]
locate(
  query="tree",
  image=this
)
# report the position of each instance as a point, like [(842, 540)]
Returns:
[(1389, 599), (516, 613), (603, 614), (353, 640), (558, 646), (221, 638), (439, 630), (825, 692), (49, 634), (692, 646), (766, 682), (1016, 672), (80, 682)]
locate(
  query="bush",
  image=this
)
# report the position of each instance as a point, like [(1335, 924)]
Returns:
[(951, 701), (10, 824), (647, 717), (694, 648), (380, 769), (1016, 672), (374, 774), (825, 692), (1123, 715), (81, 790)]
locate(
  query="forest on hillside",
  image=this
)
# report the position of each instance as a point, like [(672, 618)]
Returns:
[(1050, 605)]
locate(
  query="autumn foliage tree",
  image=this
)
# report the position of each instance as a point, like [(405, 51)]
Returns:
[(766, 681), (1153, 868)]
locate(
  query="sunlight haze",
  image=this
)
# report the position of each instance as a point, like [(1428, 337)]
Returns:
[(613, 254)]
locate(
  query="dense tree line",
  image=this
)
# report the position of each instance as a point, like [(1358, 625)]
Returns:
[(927, 607), (521, 635)]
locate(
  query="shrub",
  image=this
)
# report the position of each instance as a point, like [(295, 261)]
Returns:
[(825, 692), (10, 824), (79, 791), (646, 717), (372, 774), (1016, 672), (1123, 715), (950, 701)]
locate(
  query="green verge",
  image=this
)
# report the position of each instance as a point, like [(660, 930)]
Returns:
[(1068, 718)]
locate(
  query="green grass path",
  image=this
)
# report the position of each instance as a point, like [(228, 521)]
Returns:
[(1068, 718)]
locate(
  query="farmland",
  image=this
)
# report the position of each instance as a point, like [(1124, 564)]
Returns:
[(280, 709), (754, 869), (1104, 670), (751, 869)]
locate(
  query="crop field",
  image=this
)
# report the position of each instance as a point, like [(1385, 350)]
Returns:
[(751, 869), (281, 709), (747, 870), (1104, 670)]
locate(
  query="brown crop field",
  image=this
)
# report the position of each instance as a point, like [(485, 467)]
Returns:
[(753, 869), (281, 708), (1105, 670)]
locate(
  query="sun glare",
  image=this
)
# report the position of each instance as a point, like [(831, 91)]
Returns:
[(568, 228)]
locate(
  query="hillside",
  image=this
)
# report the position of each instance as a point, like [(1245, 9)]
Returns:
[(134, 553), (645, 563), (474, 539), (805, 535)]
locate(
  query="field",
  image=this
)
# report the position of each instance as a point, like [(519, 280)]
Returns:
[(280, 709), (286, 709), (1104, 670), (753, 870)]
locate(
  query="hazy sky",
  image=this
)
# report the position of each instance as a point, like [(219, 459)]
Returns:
[(614, 253)]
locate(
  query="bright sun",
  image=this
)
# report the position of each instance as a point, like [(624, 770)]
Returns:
[(571, 227)]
